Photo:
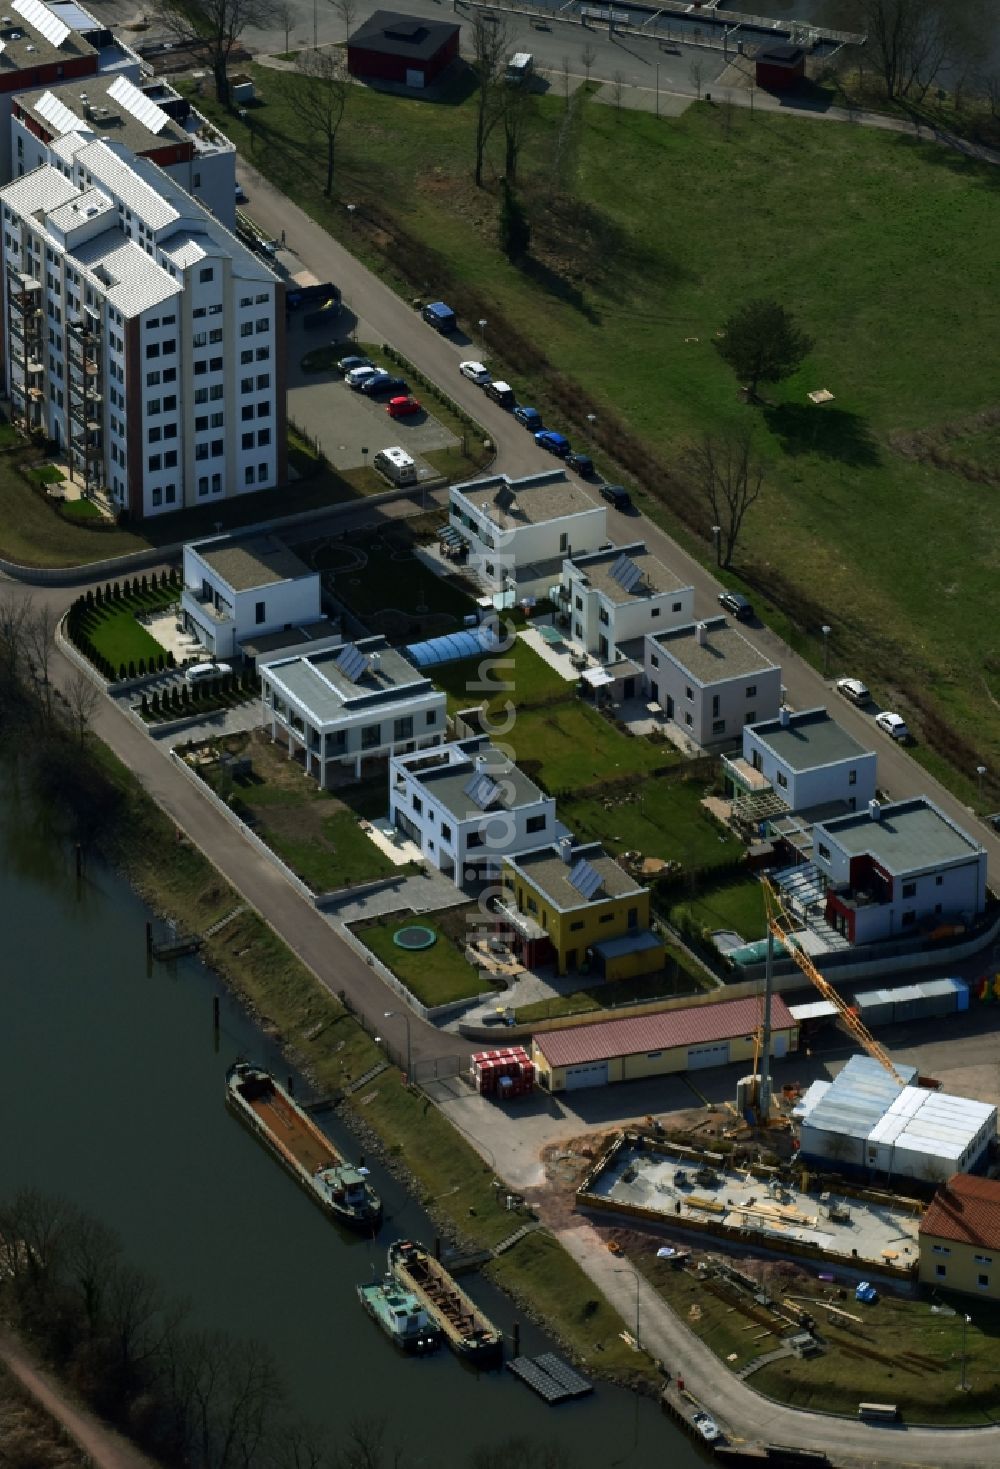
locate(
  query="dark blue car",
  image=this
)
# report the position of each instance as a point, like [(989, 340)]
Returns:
[(556, 444), (530, 417)]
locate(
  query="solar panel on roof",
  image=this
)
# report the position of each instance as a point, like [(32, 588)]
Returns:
[(41, 18), (626, 573), (585, 878), (62, 118), (618, 563), (138, 104), (351, 662), (482, 789)]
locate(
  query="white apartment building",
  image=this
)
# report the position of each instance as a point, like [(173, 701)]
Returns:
[(609, 597), (893, 869), (710, 680), (467, 806), (151, 119), (235, 590), (139, 334), (520, 531), (358, 703), (57, 45)]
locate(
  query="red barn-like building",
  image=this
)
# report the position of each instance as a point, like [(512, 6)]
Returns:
[(403, 49), (780, 68)]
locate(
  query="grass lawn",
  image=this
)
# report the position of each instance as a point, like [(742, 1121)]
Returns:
[(117, 635), (903, 1352), (518, 675), (736, 905), (571, 745), (436, 975), (80, 510), (660, 818), (618, 274), (680, 977)]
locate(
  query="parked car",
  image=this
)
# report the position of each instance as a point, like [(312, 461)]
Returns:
[(706, 1426), (557, 444), (582, 463), (529, 417), (383, 382), (501, 393), (475, 372), (202, 672), (348, 364), (893, 725), (358, 375), (737, 604), (617, 495), (440, 316), (400, 407), (853, 689), (241, 194)]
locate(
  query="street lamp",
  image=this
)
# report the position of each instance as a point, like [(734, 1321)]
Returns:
[(963, 1386), (350, 214), (826, 630), (483, 324), (401, 1015), (980, 772), (633, 1272), (717, 538)]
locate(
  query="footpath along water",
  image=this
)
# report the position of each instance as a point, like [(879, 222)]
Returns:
[(112, 1095)]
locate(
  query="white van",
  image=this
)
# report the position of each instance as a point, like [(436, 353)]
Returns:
[(520, 67), (396, 465)]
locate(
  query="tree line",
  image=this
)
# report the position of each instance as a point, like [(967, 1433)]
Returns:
[(190, 1396)]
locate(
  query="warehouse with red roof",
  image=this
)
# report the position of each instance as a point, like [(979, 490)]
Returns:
[(688, 1039)]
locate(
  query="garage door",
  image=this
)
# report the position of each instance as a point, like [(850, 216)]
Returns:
[(716, 1054), (595, 1073)]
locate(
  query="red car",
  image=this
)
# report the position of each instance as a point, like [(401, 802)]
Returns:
[(400, 407)]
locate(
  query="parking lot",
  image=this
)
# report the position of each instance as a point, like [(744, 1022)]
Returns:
[(347, 423)]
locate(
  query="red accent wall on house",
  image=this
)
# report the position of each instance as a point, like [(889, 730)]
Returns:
[(31, 77)]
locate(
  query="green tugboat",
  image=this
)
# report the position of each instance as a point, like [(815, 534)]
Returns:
[(400, 1315)]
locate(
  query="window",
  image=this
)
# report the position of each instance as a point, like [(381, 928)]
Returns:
[(263, 437), (246, 412), (909, 889), (170, 403), (199, 311), (258, 613), (246, 357), (824, 851), (203, 485), (170, 374), (262, 299), (689, 693), (983, 1281), (782, 780), (262, 473), (246, 300), (152, 349), (170, 346), (578, 603), (246, 384), (247, 443), (199, 339), (940, 1271), (852, 777), (535, 823), (170, 493), (432, 716), (603, 617), (154, 435), (718, 726), (371, 738), (983, 1259), (201, 451), (750, 716), (909, 918), (688, 720), (246, 329), (152, 407), (633, 918), (248, 475), (153, 463), (200, 367), (217, 420), (576, 926), (207, 273), (938, 880), (262, 323), (263, 380), (474, 839), (263, 409), (215, 364), (606, 918), (215, 335), (751, 690), (201, 423), (216, 484), (201, 395), (152, 378), (653, 1055), (216, 391), (403, 728), (655, 611), (157, 496), (262, 354), (715, 704)]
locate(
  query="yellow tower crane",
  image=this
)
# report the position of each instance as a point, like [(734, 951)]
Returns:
[(780, 926)]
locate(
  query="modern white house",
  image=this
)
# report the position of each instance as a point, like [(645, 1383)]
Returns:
[(467, 806), (710, 680), (609, 597), (149, 117), (807, 759), (351, 706), (236, 590), (139, 335), (893, 869), (519, 531), (57, 45)]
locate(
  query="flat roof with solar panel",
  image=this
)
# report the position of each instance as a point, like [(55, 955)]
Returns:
[(32, 35), (106, 106), (573, 877), (470, 779), (627, 573)]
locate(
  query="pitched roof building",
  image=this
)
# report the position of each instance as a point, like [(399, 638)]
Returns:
[(960, 1237)]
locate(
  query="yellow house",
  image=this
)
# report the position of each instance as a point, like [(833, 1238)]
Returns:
[(960, 1237), (593, 913)]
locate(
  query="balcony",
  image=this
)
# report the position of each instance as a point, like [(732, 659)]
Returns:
[(199, 607)]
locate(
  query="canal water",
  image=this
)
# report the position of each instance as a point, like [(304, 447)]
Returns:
[(111, 1094)]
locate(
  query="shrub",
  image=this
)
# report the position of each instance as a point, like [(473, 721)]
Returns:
[(145, 584), (122, 671), (159, 662), (131, 668), (141, 665), (171, 660)]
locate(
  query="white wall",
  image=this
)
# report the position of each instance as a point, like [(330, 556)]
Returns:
[(697, 715), (483, 837), (821, 784), (495, 553)]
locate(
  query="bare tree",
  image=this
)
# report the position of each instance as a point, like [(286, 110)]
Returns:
[(490, 46), (82, 698), (92, 1251), (724, 470), (322, 98), (284, 14), (40, 635), (618, 90), (15, 622), (696, 71), (588, 56), (908, 41), (516, 117), (347, 10), (219, 24)]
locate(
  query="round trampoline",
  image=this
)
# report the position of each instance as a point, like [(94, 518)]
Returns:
[(414, 936)]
